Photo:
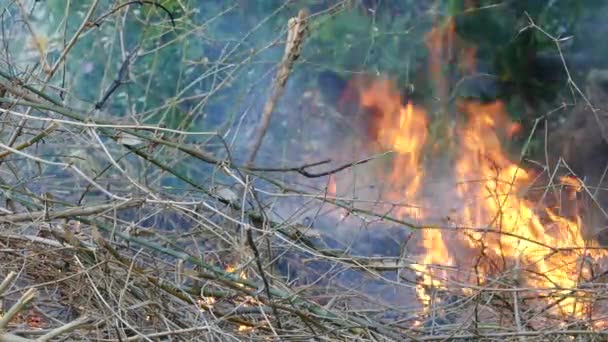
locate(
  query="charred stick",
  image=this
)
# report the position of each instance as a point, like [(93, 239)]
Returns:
[(258, 261), (123, 75), (303, 169), (97, 22), (296, 31)]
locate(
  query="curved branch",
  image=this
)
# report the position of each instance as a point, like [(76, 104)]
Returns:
[(135, 2)]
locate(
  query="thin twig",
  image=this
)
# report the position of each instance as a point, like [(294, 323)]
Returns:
[(32, 141), (123, 75), (98, 21)]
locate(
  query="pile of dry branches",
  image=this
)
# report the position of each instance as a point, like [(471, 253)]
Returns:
[(139, 263)]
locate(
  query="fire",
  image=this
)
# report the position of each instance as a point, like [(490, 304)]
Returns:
[(524, 236), (432, 240), (493, 222), (206, 302), (232, 269), (573, 183), (492, 232), (332, 187), (244, 328), (600, 324), (403, 130), (444, 45), (440, 43)]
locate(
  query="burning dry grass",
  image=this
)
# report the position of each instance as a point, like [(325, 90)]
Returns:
[(93, 248), (150, 265), (120, 292), (498, 251)]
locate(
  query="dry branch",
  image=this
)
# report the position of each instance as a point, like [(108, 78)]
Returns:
[(296, 31), (68, 213), (32, 141)]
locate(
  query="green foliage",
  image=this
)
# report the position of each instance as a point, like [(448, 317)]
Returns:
[(238, 43), (355, 40), (516, 42), (387, 38)]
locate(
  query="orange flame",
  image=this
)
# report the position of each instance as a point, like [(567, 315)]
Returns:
[(332, 187), (404, 131), (233, 269), (495, 230), (549, 249), (401, 129), (445, 47), (495, 220)]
